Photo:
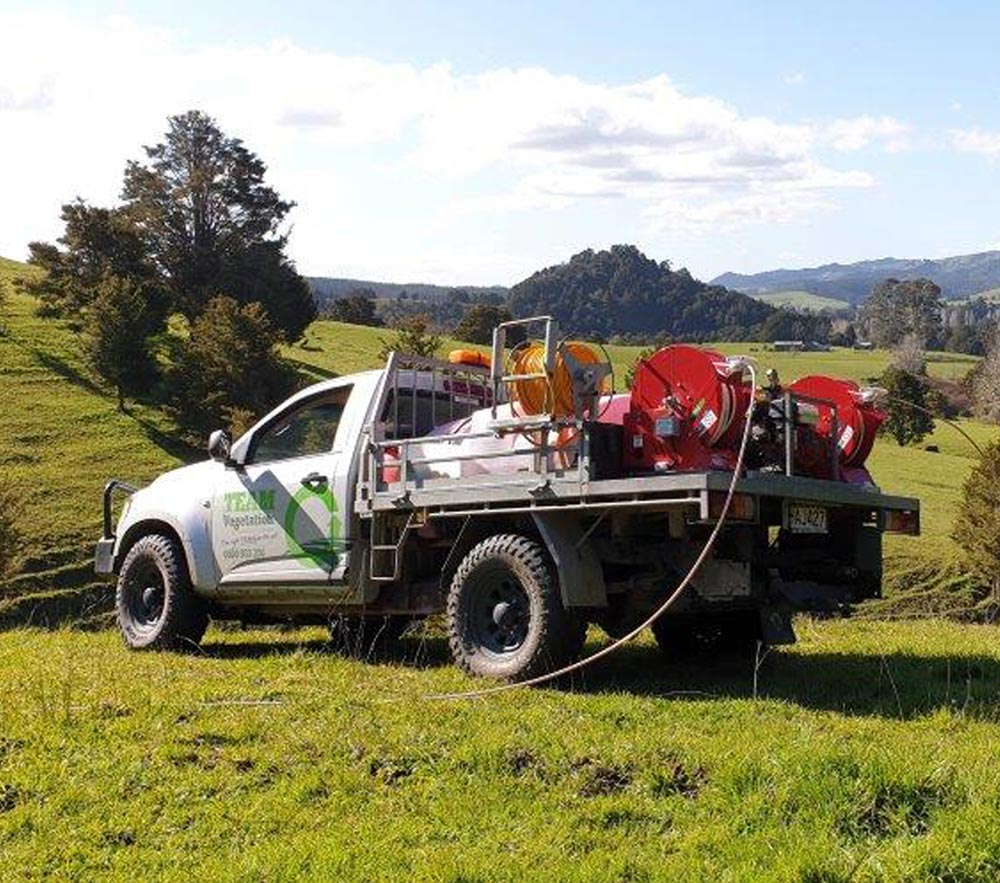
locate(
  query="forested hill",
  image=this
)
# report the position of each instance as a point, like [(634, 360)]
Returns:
[(620, 292), (959, 277)]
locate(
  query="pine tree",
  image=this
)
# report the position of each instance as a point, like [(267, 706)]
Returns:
[(119, 322), (977, 523), (96, 242), (213, 226), (229, 370)]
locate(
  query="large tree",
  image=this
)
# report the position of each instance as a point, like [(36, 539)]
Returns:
[(479, 321), (212, 225), (897, 309), (357, 307)]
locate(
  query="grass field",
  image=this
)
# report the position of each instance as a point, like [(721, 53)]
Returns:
[(802, 300), (869, 754)]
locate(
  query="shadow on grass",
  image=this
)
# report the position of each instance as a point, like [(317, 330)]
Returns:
[(899, 685), (174, 445), (66, 371), (896, 685), (307, 373)]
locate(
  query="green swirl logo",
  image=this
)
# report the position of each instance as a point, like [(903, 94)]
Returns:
[(320, 552)]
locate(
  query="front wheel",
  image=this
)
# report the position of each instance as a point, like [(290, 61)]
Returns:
[(157, 608), (505, 617)]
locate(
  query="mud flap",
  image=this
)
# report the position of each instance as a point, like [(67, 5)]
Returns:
[(580, 576), (776, 626)]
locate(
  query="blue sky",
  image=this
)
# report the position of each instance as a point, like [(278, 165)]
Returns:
[(475, 142)]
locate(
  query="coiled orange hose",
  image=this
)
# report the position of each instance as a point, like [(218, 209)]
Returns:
[(542, 395)]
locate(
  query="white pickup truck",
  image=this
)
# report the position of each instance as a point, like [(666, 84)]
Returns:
[(372, 500)]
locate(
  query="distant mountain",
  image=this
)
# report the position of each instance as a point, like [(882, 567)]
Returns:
[(620, 293), (326, 289), (959, 277)]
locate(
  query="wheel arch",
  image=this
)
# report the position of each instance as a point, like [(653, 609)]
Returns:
[(148, 527), (578, 568), (474, 529), (581, 579)]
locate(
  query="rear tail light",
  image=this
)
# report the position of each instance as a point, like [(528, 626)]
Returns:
[(741, 509), (902, 521)]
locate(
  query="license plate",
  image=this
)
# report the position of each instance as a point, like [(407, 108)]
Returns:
[(802, 518)]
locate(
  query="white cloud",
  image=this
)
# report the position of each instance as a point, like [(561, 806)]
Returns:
[(796, 79), (976, 141), (360, 143), (852, 134)]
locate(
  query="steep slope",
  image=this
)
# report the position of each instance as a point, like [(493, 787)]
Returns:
[(62, 438), (961, 276)]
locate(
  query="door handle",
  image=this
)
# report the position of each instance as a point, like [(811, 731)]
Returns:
[(314, 480)]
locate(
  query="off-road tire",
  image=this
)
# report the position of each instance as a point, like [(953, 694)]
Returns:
[(515, 567), (366, 637), (157, 608)]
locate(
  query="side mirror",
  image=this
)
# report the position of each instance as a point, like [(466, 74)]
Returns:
[(218, 445)]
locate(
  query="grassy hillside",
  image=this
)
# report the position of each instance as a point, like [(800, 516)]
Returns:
[(63, 438), (869, 754), (802, 300)]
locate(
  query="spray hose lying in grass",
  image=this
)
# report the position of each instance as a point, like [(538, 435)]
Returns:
[(666, 605)]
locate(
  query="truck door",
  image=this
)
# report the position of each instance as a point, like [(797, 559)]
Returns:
[(280, 518)]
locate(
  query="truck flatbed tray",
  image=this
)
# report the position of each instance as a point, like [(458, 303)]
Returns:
[(530, 490)]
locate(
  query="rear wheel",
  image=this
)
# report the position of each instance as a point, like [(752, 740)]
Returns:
[(157, 608), (505, 617)]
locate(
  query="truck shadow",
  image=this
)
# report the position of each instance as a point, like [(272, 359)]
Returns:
[(903, 686), (895, 685)]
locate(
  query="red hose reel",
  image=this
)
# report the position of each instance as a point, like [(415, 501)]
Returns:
[(686, 411), (858, 420)]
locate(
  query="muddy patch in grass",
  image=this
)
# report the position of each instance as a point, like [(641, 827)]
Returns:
[(601, 780), (677, 778), (892, 808)]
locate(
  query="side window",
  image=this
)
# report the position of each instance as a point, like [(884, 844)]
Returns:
[(309, 429)]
